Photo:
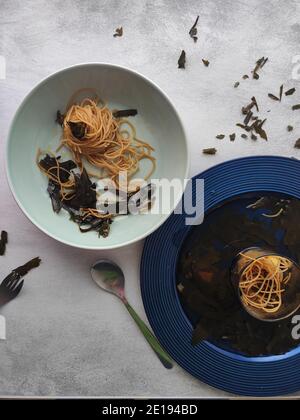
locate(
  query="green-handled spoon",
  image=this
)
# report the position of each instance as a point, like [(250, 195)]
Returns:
[(109, 277)]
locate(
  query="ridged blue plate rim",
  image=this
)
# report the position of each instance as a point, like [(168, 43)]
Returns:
[(258, 377)]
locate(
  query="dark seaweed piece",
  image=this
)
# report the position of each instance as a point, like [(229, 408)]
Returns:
[(24, 269), (220, 136), (248, 117), (118, 32), (246, 109), (54, 193), (290, 128), (14, 277), (84, 194), (253, 137), (254, 101), (232, 137), (59, 118), (290, 92), (50, 163), (259, 65), (209, 151), (77, 129), (3, 242), (105, 228), (236, 85), (205, 62), (275, 98), (295, 107), (245, 77), (244, 136), (125, 113), (297, 144), (280, 92), (258, 124), (193, 31), (182, 60)]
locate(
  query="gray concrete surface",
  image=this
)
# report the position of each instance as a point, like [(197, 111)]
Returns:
[(63, 336)]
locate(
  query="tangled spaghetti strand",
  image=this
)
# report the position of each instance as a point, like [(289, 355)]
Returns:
[(263, 282), (108, 143)]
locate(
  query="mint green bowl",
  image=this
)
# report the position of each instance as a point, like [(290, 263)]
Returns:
[(34, 127)]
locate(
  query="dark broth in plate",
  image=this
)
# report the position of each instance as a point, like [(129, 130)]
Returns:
[(204, 283)]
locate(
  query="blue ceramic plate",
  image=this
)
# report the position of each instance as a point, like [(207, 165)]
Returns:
[(223, 369)]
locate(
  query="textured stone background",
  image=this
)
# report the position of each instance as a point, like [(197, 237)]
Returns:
[(63, 336)]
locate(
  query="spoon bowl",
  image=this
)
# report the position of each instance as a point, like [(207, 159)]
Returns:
[(109, 277)]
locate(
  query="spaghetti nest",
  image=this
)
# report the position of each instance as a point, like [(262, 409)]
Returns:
[(263, 282), (108, 143)]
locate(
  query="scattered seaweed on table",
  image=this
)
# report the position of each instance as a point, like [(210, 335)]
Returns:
[(271, 96), (118, 32), (205, 62), (182, 60), (3, 242), (209, 151), (194, 31), (232, 137), (290, 128), (280, 92), (258, 66), (125, 113), (245, 77), (14, 277), (297, 144), (290, 92), (220, 136), (296, 107), (236, 85)]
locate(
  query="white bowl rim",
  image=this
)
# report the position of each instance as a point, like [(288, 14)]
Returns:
[(8, 168)]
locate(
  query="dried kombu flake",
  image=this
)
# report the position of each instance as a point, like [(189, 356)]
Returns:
[(295, 107), (118, 32), (209, 151), (253, 137), (244, 136), (258, 124), (193, 31), (220, 136), (236, 85), (77, 129), (259, 65), (248, 117), (50, 164), (205, 62), (59, 118), (125, 113), (232, 137), (245, 77), (297, 144), (290, 92), (275, 98), (84, 194), (3, 242), (290, 128), (254, 101), (280, 92), (182, 60), (24, 269), (54, 193)]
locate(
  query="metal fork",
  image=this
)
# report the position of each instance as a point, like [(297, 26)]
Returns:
[(10, 287)]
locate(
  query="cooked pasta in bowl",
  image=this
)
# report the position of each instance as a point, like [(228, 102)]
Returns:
[(85, 152)]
